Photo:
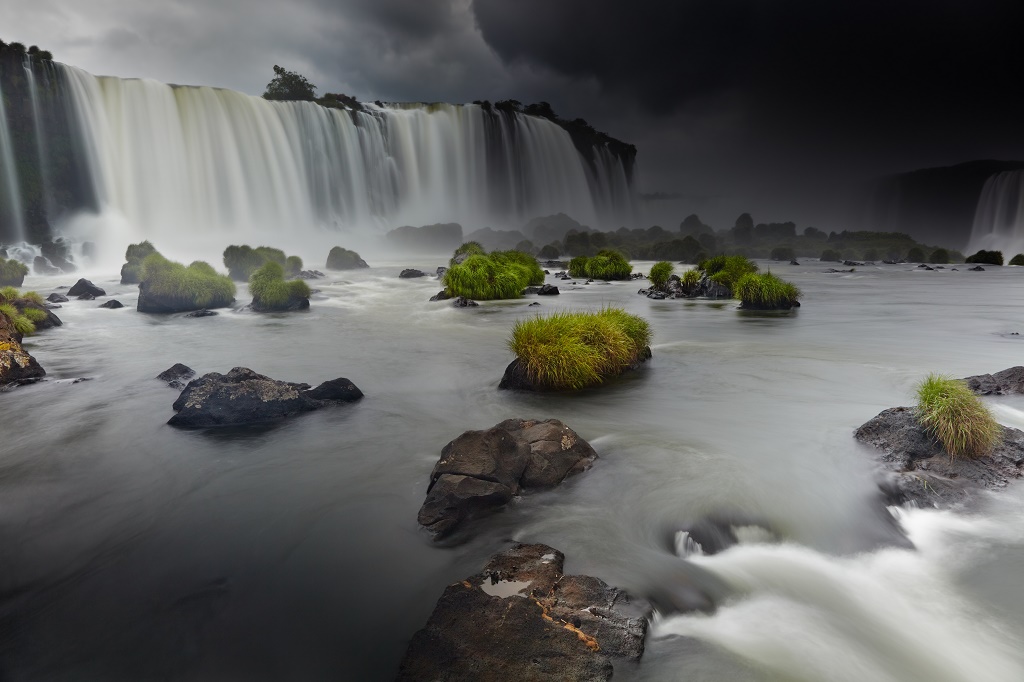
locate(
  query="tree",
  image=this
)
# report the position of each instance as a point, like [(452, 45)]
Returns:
[(288, 85)]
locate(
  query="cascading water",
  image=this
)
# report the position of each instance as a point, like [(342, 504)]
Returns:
[(10, 210), (999, 219), (179, 162), (39, 130)]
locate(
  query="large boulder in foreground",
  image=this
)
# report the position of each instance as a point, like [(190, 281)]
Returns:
[(920, 471), (1008, 382), (522, 619), (481, 471), (16, 365), (244, 397)]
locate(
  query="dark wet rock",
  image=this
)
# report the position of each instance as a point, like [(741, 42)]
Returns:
[(463, 302), (86, 297), (655, 294), (715, 533), (57, 298), (566, 279), (49, 322), (52, 306), (918, 470), (410, 273), (548, 290), (244, 397), (482, 470), (113, 304), (440, 296), (530, 290), (922, 266), (17, 366), (533, 304), (41, 266), (954, 270), (522, 619), (833, 270), (853, 263), (202, 313), (58, 252), (1008, 382), (515, 377), (177, 376), (794, 262), (84, 286), (294, 303), (976, 268), (310, 274), (440, 271)]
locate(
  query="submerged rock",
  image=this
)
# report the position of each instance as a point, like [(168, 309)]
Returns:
[(1008, 382), (463, 302), (482, 470), (310, 274), (177, 375), (920, 471), (410, 273), (84, 286), (244, 397), (202, 313), (522, 619)]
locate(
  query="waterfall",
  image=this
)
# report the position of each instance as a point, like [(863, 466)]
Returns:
[(10, 210), (174, 161), (39, 130), (999, 218)]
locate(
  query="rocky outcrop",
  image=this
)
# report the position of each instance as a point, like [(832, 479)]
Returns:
[(57, 298), (410, 273), (1008, 382), (84, 286), (16, 365), (522, 619), (440, 296), (463, 302), (481, 471), (112, 304), (918, 470), (543, 290), (516, 377), (177, 375), (244, 397)]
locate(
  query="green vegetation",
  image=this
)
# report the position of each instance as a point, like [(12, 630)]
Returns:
[(830, 256), (270, 291), (292, 266), (1018, 259), (956, 417), (21, 323), (572, 350), (939, 257), (193, 287), (34, 314), (288, 85), (469, 249), (343, 259), (549, 252), (528, 264), (916, 255), (690, 279), (12, 272), (487, 277), (242, 261), (765, 291), (727, 270), (606, 265), (131, 272), (660, 272), (986, 258), (8, 294)]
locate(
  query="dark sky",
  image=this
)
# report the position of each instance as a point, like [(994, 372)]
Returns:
[(778, 108)]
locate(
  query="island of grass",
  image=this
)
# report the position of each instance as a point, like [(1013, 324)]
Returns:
[(25, 312), (490, 276), (765, 291), (957, 418), (343, 259), (131, 271), (169, 287), (243, 260), (567, 351), (606, 265), (12, 272), (984, 257), (659, 274), (270, 292)]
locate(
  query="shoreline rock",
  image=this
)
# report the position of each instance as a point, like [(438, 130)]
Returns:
[(1007, 382), (521, 618)]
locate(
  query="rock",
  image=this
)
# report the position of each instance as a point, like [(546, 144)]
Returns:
[(202, 313), (84, 286), (57, 298), (1008, 382), (294, 303), (17, 367), (853, 263), (410, 273), (548, 290), (41, 266), (113, 304), (655, 294), (244, 397), (58, 252), (440, 271), (922, 266), (522, 619), (515, 377), (918, 469), (177, 376), (976, 268), (794, 262), (463, 302), (440, 296), (311, 274), (530, 290), (86, 297), (482, 470), (533, 304)]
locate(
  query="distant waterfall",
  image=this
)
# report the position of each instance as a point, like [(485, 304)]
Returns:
[(11, 212), (175, 161), (999, 220)]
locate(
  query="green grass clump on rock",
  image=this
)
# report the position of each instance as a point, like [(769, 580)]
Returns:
[(765, 291), (690, 278), (241, 261), (485, 279), (468, 249), (193, 287), (1018, 259), (727, 270), (292, 266), (8, 294), (986, 257), (270, 291), (660, 272), (606, 265), (534, 273), (34, 314), (12, 272), (131, 271), (948, 409), (21, 323), (573, 350)]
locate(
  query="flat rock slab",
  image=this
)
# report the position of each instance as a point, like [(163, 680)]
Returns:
[(522, 619), (1008, 382), (244, 397), (920, 471), (482, 470)]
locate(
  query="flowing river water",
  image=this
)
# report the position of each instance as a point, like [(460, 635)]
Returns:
[(131, 550)]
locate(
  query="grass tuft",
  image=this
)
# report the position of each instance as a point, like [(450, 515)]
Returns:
[(270, 291), (660, 272), (690, 279), (243, 260), (195, 286), (606, 265), (33, 296), (488, 277), (8, 294), (948, 409), (12, 272), (727, 270), (470, 249), (572, 350), (765, 292), (22, 324)]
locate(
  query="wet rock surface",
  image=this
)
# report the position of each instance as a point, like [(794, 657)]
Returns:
[(17, 367), (522, 619), (1008, 382), (410, 273), (463, 302), (112, 304), (84, 286), (177, 375), (202, 313), (516, 378), (244, 397), (481, 471), (918, 470)]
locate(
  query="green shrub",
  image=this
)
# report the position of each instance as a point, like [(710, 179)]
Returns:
[(270, 291), (534, 273), (192, 287), (292, 266), (783, 253), (242, 261), (572, 350), (8, 294), (956, 417), (22, 324), (1018, 259), (986, 257), (578, 266), (765, 291), (939, 257), (269, 253), (727, 270), (830, 255), (343, 259), (468, 249), (606, 265), (33, 296), (484, 278), (12, 272), (660, 272), (690, 278)]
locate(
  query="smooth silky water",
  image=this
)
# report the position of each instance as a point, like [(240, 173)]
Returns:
[(132, 550)]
